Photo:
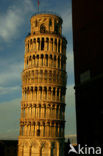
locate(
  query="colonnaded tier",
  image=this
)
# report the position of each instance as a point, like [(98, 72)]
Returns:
[(44, 78)]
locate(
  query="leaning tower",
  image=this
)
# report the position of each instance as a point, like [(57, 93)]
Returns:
[(43, 89)]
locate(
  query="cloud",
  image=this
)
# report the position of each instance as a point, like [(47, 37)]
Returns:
[(70, 95), (9, 24), (70, 111), (8, 90), (13, 19), (70, 68), (67, 21), (11, 73), (70, 62)]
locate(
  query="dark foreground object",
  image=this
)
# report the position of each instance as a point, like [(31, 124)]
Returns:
[(88, 64), (8, 147)]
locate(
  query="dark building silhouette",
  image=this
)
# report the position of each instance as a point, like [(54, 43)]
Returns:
[(88, 64), (8, 147)]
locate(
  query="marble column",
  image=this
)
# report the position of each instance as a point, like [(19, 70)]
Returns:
[(50, 150)]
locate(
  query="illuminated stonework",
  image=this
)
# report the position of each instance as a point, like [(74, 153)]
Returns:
[(43, 89)]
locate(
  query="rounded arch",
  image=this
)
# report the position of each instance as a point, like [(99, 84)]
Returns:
[(26, 143), (35, 143), (34, 40), (21, 143), (44, 147), (42, 28)]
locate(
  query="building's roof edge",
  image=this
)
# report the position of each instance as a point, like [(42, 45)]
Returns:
[(46, 12)]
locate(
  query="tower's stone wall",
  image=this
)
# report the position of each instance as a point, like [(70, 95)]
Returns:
[(43, 89)]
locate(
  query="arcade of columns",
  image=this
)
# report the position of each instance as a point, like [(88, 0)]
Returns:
[(43, 89)]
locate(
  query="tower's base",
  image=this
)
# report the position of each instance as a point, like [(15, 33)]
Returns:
[(40, 146)]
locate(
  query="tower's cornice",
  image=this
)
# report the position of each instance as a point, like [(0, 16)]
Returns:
[(47, 13)]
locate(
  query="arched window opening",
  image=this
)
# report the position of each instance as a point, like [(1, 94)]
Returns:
[(37, 60), (43, 129), (27, 62), (38, 132), (34, 57), (45, 90), (38, 40), (63, 46), (49, 89), (24, 97), (36, 91), (28, 91), (47, 40), (56, 45), (58, 62), (40, 94), (42, 28), (50, 56), (42, 60), (54, 61), (57, 129), (46, 60), (28, 48), (30, 58), (59, 46), (58, 92), (32, 91), (34, 60), (60, 112), (56, 28), (50, 61), (34, 44), (49, 93), (31, 41), (40, 107), (44, 111), (62, 94), (52, 43), (50, 22), (53, 91), (34, 40), (42, 44)]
